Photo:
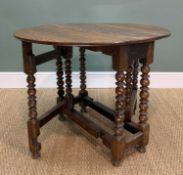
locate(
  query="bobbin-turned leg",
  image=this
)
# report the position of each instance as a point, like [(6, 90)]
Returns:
[(83, 92), (118, 144), (135, 79), (60, 79), (144, 94), (129, 89), (120, 64), (32, 124), (67, 54), (135, 74)]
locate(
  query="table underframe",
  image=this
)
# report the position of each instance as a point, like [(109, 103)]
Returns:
[(125, 61)]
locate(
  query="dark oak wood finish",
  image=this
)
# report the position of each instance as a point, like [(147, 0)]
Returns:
[(83, 91), (144, 94), (129, 89), (45, 57), (91, 34), (135, 74), (118, 142), (67, 54), (57, 109), (60, 74), (129, 45), (60, 78), (99, 107), (32, 124), (120, 103)]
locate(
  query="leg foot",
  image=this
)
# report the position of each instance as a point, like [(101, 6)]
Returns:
[(33, 133), (117, 150), (61, 117), (83, 108), (141, 148), (116, 162), (36, 154)]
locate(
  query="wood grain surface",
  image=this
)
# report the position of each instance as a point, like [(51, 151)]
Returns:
[(91, 34)]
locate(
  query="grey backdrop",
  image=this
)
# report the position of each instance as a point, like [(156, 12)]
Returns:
[(24, 13)]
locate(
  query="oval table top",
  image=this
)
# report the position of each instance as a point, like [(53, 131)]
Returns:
[(91, 34)]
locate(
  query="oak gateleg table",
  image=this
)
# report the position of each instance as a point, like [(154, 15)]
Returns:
[(128, 45)]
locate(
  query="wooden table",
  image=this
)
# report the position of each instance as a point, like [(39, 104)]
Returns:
[(128, 45)]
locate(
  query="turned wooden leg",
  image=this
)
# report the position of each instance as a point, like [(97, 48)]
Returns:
[(83, 92), (118, 143), (60, 80), (144, 94), (135, 74), (68, 76), (135, 79), (32, 124), (129, 84)]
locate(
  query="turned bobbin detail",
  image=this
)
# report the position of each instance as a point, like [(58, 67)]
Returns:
[(135, 74), (83, 91), (128, 92), (32, 124), (143, 106), (118, 144), (135, 79), (144, 94), (120, 103), (60, 74), (67, 54), (60, 78)]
